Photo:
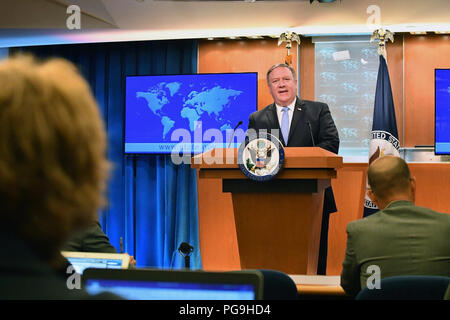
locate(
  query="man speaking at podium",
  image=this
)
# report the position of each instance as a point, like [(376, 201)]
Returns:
[(302, 123)]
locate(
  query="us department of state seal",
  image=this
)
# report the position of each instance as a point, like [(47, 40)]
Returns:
[(261, 156)]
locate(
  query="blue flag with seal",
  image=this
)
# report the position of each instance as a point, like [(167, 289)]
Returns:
[(384, 135)]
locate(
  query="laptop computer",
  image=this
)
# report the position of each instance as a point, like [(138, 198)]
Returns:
[(83, 260), (157, 284)]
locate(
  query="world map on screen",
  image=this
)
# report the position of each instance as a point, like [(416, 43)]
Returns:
[(194, 110), (172, 102)]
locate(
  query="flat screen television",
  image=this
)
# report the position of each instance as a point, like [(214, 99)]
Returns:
[(187, 113), (442, 111)]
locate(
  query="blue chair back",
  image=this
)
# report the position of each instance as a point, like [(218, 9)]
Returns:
[(407, 288)]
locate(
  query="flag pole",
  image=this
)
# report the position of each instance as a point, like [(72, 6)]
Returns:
[(384, 134)]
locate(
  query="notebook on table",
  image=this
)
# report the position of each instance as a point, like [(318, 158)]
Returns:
[(83, 260), (157, 284)]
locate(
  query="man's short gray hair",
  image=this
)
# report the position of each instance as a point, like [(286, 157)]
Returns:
[(280, 65)]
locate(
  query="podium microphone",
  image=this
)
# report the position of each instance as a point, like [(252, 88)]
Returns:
[(186, 249), (234, 130), (311, 133)]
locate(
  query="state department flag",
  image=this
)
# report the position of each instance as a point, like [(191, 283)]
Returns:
[(384, 135)]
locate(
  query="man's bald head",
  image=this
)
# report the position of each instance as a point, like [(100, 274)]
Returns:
[(389, 176)]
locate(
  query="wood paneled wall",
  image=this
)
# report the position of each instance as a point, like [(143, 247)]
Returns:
[(411, 63), (307, 69), (244, 56), (395, 67), (422, 54)]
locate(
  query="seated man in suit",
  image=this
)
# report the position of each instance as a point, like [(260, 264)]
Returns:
[(92, 239), (302, 123), (53, 170), (401, 238)]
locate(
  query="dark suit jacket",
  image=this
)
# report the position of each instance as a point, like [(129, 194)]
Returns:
[(93, 239), (402, 239), (323, 129), (316, 113), (23, 275)]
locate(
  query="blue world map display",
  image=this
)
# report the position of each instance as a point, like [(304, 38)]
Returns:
[(193, 110)]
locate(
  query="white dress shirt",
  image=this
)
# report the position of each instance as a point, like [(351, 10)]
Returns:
[(290, 112)]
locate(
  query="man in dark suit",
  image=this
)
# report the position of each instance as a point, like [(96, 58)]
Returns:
[(299, 123), (401, 238), (92, 239)]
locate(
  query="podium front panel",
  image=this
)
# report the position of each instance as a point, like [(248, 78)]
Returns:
[(285, 186)]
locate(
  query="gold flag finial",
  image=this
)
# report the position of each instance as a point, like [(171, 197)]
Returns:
[(288, 37), (382, 36)]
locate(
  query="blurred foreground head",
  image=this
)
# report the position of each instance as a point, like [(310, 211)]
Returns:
[(53, 167)]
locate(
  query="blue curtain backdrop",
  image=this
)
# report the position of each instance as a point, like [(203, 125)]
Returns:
[(152, 202)]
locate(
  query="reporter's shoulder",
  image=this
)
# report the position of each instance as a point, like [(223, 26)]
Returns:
[(357, 225)]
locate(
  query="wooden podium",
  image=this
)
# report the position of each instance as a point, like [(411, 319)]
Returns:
[(278, 222)]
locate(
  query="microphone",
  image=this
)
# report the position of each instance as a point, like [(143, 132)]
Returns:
[(186, 249), (311, 133), (234, 130)]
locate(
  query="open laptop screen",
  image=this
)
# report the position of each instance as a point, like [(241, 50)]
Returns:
[(174, 285)]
